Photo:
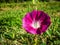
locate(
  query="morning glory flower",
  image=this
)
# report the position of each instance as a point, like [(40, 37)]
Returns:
[(36, 22)]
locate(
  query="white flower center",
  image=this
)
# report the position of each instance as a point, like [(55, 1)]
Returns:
[(36, 24)]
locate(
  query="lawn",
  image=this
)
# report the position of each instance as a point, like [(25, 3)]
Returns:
[(12, 32)]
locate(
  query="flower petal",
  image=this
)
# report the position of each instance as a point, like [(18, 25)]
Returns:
[(30, 29), (36, 16)]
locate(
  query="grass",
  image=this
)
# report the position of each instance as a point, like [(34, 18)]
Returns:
[(12, 32)]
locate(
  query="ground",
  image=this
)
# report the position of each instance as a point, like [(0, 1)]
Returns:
[(12, 32)]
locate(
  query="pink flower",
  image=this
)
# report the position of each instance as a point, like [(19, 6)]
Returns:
[(36, 22)]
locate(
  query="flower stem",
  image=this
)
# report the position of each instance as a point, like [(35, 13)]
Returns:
[(35, 40), (34, 2)]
